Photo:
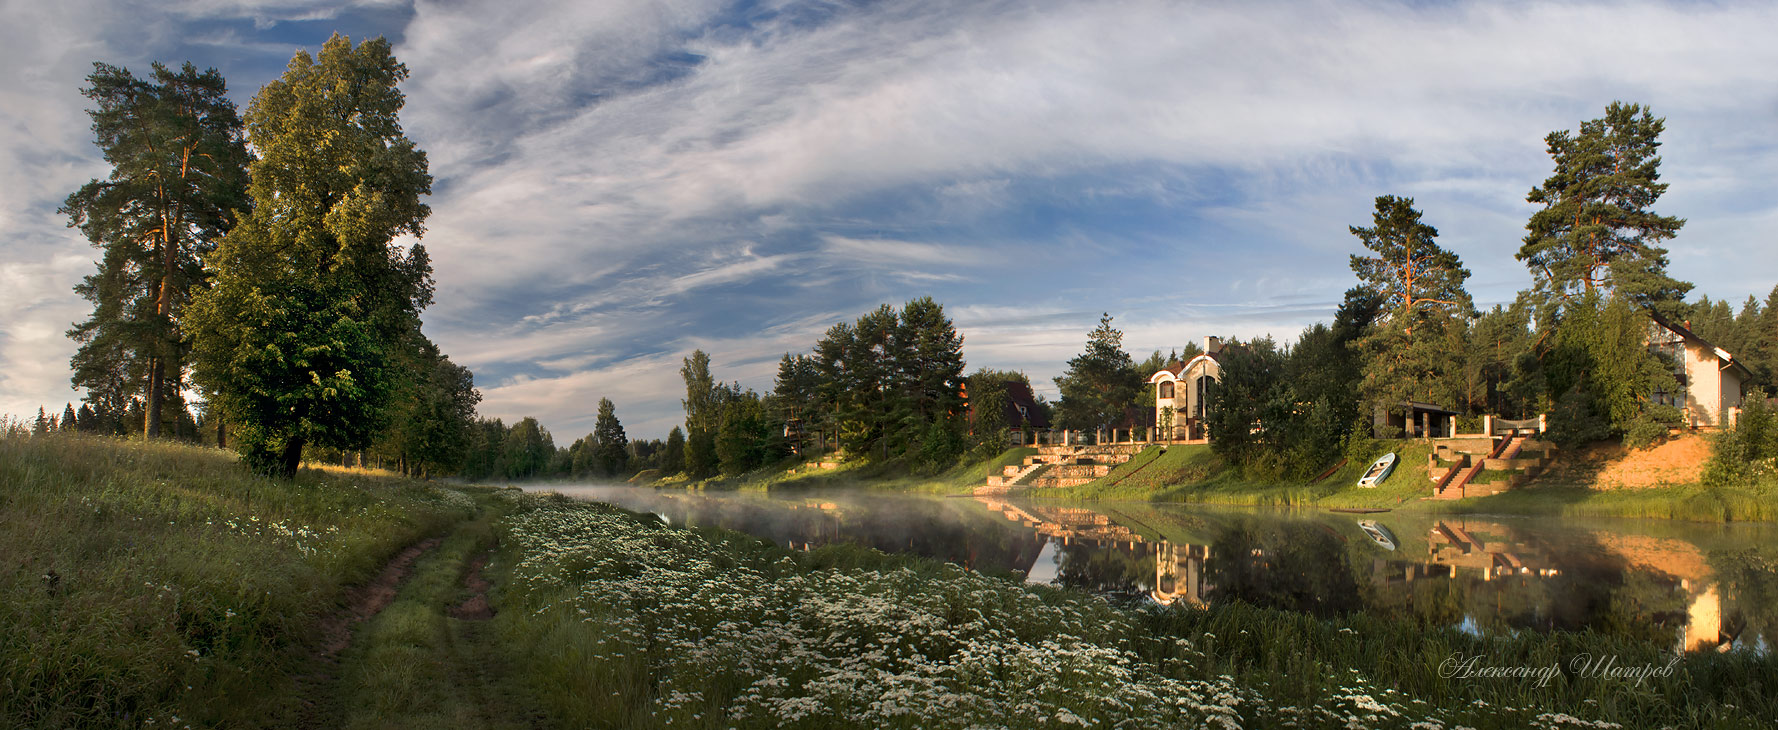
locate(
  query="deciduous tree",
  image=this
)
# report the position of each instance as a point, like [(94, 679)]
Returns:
[(311, 292)]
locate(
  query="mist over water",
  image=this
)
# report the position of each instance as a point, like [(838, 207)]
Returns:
[(1698, 586)]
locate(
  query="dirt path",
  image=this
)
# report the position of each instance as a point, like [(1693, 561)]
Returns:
[(476, 608), (362, 603), (370, 599)]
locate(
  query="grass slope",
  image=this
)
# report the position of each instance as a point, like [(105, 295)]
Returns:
[(1192, 473), (162, 585), (852, 474)]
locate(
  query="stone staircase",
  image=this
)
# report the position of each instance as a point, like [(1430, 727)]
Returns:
[(1507, 454), (1061, 466)]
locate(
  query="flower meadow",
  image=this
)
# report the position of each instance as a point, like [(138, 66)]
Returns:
[(626, 622)]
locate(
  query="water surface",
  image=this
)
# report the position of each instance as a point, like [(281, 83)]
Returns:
[(1700, 586)]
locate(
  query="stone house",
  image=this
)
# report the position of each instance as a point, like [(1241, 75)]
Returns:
[(1186, 387), (1710, 379)]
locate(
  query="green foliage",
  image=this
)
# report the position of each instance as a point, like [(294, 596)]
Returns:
[(744, 439), (611, 454), (1597, 229), (1420, 309), (987, 408), (1597, 359), (673, 459), (432, 420), (527, 450), (1747, 453), (880, 383), (296, 337), (1100, 382), (179, 173)]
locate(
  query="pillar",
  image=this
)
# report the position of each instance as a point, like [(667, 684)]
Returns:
[(1488, 425)]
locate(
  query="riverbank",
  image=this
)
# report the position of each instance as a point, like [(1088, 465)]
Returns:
[(1194, 474)]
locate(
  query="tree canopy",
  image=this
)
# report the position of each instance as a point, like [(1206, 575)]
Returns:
[(311, 294), (1100, 382), (178, 174), (1597, 228)]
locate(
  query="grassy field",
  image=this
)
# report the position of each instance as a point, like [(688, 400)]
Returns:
[(160, 585)]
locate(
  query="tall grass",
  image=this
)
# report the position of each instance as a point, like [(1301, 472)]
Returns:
[(155, 584)]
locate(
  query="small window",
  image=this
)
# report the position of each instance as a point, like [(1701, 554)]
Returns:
[(1166, 389)]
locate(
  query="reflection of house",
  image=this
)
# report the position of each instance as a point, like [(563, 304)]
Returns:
[(1186, 388), (1179, 574), (1709, 377)]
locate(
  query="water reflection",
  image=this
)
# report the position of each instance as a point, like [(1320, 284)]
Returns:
[(1702, 587)]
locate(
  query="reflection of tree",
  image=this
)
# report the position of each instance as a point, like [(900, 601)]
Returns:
[(1294, 566), (1104, 570), (1750, 590)]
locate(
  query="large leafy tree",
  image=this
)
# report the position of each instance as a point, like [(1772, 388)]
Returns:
[(1597, 228), (704, 400), (178, 173), (1100, 382), (310, 293), (609, 452)]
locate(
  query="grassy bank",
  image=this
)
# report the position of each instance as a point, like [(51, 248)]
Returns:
[(1193, 474), (161, 585), (894, 475), (623, 622)]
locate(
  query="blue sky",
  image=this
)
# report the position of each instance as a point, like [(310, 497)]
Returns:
[(621, 182)]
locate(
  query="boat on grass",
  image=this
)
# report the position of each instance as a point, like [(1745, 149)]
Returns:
[(1379, 470)]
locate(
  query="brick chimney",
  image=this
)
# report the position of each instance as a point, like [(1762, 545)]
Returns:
[(1212, 345)]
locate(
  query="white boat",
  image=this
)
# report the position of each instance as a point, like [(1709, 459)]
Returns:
[(1378, 533), (1379, 470)]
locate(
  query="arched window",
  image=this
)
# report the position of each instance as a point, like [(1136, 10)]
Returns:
[(1206, 389), (1166, 389)]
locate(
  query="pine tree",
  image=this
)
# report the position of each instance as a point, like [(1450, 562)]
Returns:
[(1597, 229), (69, 421), (179, 171), (609, 453), (673, 457), (310, 296), (1417, 287), (1100, 382)]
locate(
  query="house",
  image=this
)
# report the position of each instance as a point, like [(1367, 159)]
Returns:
[(1414, 420), (1186, 388), (1710, 379), (1021, 409)]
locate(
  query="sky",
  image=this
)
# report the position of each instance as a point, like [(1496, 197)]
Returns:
[(618, 183)]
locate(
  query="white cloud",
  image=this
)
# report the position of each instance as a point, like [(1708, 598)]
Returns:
[(605, 167)]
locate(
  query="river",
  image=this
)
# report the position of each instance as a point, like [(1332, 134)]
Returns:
[(1704, 587)]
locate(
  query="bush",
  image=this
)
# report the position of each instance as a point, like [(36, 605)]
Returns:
[(1747, 452)]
